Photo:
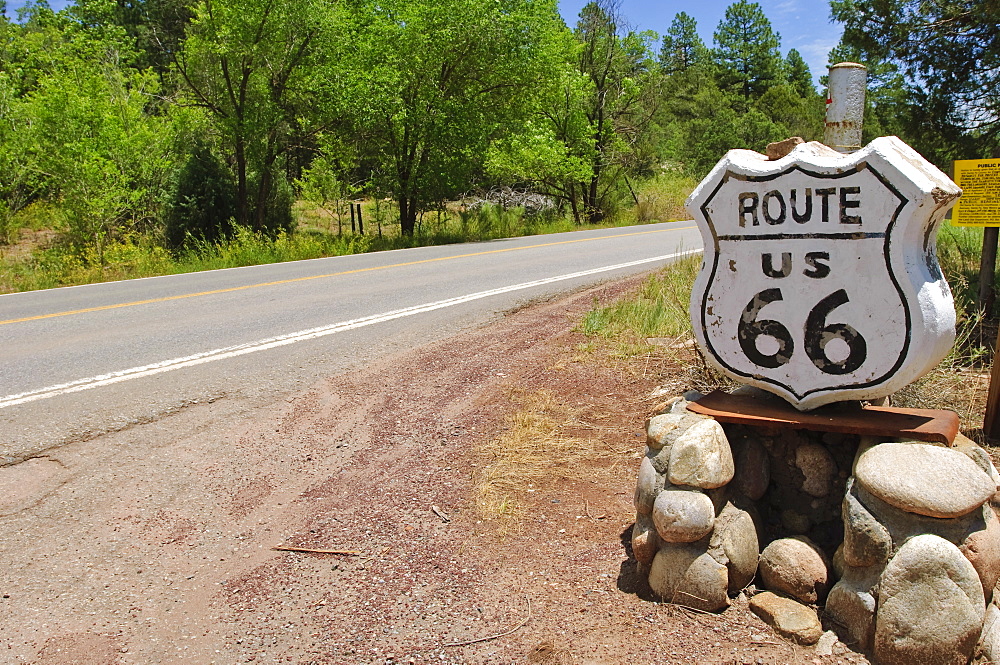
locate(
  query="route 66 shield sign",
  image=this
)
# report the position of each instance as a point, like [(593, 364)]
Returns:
[(820, 280)]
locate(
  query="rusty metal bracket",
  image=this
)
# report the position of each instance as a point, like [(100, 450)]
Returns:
[(931, 425)]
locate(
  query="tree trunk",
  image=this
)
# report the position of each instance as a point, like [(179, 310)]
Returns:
[(407, 215), (242, 195), (263, 194)]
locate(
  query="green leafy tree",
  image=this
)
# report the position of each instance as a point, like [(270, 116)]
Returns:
[(682, 48), (746, 51), (101, 157), (441, 81), (203, 203), (620, 102), (254, 67), (948, 53)]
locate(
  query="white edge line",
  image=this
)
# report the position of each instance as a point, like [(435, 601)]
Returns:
[(301, 336)]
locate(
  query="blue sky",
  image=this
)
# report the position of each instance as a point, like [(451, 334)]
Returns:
[(803, 24)]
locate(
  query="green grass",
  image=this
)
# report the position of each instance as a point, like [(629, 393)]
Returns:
[(661, 199), (659, 309), (318, 235)]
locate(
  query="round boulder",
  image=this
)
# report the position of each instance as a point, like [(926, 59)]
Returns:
[(647, 487), (795, 567), (683, 516), (686, 575), (931, 605), (923, 479), (701, 457), (817, 467), (645, 540)]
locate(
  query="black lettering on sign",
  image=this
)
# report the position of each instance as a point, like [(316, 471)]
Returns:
[(748, 206), (816, 269), (825, 207), (750, 329), (768, 267), (804, 217), (779, 218), (818, 335), (846, 203), (774, 205)]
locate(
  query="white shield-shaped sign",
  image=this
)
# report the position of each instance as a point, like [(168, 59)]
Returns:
[(820, 281)]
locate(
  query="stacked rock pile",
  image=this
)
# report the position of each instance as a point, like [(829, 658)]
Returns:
[(898, 538), (921, 551)]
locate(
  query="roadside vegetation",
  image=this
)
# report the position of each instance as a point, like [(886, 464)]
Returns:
[(163, 136)]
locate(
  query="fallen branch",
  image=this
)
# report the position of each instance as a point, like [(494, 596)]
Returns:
[(499, 635), (437, 511), (309, 550)]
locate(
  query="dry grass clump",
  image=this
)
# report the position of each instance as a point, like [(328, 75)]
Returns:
[(532, 451)]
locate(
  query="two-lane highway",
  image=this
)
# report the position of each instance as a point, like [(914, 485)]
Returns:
[(82, 360)]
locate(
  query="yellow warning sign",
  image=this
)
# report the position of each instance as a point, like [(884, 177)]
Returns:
[(980, 202)]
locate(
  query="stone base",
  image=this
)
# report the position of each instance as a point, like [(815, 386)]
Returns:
[(898, 538)]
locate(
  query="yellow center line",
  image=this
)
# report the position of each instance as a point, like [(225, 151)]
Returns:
[(333, 274)]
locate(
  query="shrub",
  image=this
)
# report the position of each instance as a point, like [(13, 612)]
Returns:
[(202, 204)]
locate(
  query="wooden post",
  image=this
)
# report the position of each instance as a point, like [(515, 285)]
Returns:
[(361, 224), (987, 269), (353, 227), (991, 424)]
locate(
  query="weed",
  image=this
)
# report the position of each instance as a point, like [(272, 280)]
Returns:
[(533, 450)]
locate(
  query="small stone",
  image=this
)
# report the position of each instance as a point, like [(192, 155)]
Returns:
[(931, 605), (924, 479), (660, 459), (817, 467), (851, 604), (645, 540), (866, 541), (780, 149), (659, 427), (753, 470), (686, 575), (853, 607), (824, 647), (734, 543), (989, 640), (795, 567), (647, 487), (791, 620), (683, 516), (982, 549), (701, 457), (795, 522), (837, 562)]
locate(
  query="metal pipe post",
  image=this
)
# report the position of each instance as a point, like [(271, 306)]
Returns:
[(845, 106)]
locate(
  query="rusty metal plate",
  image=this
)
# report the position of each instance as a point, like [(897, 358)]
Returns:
[(932, 425)]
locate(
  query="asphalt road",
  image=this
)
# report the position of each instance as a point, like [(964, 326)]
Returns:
[(81, 361)]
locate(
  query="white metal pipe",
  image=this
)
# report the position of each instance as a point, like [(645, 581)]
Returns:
[(845, 106)]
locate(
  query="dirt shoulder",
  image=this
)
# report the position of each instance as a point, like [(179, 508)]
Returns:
[(154, 544)]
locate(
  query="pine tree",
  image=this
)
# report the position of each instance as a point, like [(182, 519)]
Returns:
[(682, 47), (798, 74), (746, 51)]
